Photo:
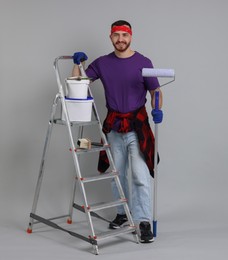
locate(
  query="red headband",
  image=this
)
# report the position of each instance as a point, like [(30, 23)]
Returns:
[(121, 28)]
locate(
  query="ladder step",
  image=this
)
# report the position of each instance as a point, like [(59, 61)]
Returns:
[(77, 123), (106, 205), (102, 176), (115, 232)]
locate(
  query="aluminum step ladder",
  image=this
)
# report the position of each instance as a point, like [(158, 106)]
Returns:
[(90, 210)]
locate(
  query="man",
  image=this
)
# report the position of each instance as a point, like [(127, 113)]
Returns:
[(126, 125)]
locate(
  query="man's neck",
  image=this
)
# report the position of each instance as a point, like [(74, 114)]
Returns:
[(126, 54)]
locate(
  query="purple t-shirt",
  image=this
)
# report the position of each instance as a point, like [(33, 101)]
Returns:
[(125, 87)]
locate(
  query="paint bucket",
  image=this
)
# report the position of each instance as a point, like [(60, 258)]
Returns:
[(77, 87), (78, 109)]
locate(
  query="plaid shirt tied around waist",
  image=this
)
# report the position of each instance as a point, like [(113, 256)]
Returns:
[(133, 121)]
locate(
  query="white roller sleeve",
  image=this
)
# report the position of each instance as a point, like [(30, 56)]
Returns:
[(164, 73)]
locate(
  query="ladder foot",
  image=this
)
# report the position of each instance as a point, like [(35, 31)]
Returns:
[(29, 230), (69, 221), (136, 239), (95, 250)]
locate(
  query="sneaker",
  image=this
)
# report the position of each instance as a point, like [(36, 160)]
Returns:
[(146, 234), (118, 221)]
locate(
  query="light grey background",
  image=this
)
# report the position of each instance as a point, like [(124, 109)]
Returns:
[(188, 36)]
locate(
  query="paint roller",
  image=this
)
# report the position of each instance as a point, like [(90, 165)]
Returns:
[(161, 73)]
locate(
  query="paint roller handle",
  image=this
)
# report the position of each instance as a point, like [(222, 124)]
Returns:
[(79, 57), (157, 113), (156, 99)]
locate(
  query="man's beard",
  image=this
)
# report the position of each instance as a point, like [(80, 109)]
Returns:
[(121, 46)]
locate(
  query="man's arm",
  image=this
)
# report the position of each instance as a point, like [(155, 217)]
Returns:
[(76, 71), (78, 57)]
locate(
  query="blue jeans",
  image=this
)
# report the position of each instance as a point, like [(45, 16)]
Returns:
[(126, 151)]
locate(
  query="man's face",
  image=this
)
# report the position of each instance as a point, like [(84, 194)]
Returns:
[(121, 40)]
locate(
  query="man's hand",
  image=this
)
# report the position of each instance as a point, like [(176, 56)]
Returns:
[(79, 57), (157, 115)]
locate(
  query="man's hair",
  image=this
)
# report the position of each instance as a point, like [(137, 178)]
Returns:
[(121, 22)]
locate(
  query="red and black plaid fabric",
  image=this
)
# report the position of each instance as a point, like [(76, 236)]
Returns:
[(134, 121)]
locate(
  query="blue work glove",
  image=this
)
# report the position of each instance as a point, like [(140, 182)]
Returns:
[(79, 57), (157, 115)]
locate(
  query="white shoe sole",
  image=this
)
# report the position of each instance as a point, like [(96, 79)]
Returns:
[(146, 241)]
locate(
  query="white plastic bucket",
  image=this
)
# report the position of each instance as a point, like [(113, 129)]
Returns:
[(78, 109), (77, 87)]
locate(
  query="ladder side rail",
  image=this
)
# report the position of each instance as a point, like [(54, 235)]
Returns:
[(42, 164), (111, 161), (116, 178), (71, 206), (73, 148)]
